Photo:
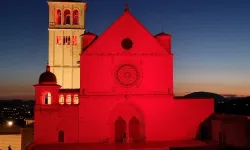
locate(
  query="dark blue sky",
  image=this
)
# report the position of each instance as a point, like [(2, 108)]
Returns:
[(211, 41)]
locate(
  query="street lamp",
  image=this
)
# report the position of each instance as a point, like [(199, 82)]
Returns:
[(9, 123)]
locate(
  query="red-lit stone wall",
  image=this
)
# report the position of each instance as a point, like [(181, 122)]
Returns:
[(189, 114), (49, 120), (99, 74)]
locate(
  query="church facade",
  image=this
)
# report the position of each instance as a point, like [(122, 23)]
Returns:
[(126, 93)]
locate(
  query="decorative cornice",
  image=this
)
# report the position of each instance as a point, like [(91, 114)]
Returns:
[(63, 29)]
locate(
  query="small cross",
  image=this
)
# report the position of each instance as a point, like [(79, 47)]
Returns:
[(126, 7)]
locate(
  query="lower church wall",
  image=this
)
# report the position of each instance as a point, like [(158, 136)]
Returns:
[(49, 120), (160, 117)]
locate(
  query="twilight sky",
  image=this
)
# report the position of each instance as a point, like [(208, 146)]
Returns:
[(211, 41)]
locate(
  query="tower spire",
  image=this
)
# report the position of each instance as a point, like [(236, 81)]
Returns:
[(126, 8), (47, 68)]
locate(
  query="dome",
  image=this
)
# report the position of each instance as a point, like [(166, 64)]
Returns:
[(87, 39), (47, 77), (162, 34), (165, 40), (89, 34)]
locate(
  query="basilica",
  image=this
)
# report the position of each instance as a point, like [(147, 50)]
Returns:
[(109, 89)]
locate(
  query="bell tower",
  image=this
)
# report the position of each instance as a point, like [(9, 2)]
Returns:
[(66, 24)]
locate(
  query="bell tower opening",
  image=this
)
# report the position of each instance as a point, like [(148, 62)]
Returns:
[(58, 17), (75, 17), (67, 16)]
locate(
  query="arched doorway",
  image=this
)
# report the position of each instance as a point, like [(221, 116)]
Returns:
[(120, 129), (61, 136), (134, 129)]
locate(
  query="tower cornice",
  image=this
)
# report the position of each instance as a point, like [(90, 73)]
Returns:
[(62, 29), (83, 2)]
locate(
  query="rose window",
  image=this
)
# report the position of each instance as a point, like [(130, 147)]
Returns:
[(127, 75)]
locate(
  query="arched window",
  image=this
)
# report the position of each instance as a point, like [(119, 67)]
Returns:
[(58, 40), (75, 17), (66, 40), (47, 98), (58, 16), (76, 99), (66, 16), (68, 99), (61, 99), (74, 40), (60, 136)]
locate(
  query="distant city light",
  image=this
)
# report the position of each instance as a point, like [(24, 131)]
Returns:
[(9, 123)]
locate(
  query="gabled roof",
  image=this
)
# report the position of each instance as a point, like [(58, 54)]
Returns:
[(126, 26)]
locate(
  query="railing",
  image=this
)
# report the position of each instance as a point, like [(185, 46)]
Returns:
[(53, 25), (131, 140), (151, 148), (124, 140), (106, 140)]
